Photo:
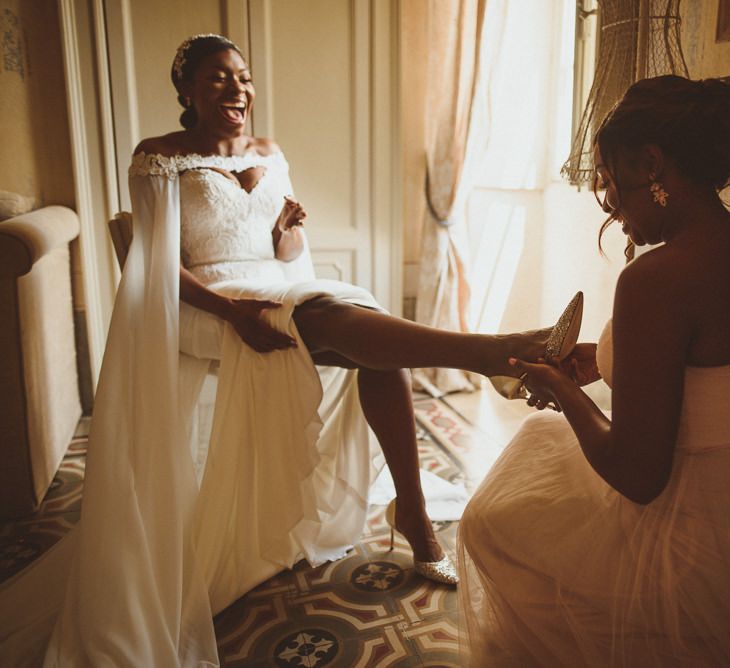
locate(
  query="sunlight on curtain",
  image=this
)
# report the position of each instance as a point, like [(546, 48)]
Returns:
[(454, 38), (497, 247), (528, 240), (521, 112)]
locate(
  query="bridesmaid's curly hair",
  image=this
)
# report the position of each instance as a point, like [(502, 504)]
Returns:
[(689, 120), (187, 59)]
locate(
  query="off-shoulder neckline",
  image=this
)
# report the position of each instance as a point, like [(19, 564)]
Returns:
[(248, 154), (156, 164)]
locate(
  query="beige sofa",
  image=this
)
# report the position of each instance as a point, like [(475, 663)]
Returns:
[(40, 405)]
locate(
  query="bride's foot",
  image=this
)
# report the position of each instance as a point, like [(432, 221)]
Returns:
[(557, 341), (416, 528), (532, 344), (528, 346), (429, 559)]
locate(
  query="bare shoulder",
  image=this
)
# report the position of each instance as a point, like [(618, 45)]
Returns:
[(264, 146), (657, 266), (655, 282), (168, 145)]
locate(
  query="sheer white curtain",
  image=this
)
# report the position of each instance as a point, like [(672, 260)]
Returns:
[(509, 153), (526, 240), (532, 238)]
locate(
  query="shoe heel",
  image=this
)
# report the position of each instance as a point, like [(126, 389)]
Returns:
[(508, 387), (390, 520), (442, 571)]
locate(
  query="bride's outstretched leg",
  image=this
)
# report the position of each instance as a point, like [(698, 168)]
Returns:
[(385, 397), (376, 340)]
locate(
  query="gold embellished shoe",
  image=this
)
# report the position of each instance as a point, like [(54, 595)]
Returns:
[(442, 571), (565, 333), (560, 344)]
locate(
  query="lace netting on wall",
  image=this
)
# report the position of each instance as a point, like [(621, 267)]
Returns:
[(637, 39)]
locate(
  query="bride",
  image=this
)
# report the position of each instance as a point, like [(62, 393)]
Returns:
[(599, 541), (137, 581)]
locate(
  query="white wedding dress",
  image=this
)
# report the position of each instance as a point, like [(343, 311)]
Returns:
[(559, 569), (290, 456)]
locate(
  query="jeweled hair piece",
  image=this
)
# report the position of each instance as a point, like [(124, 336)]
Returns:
[(179, 62)]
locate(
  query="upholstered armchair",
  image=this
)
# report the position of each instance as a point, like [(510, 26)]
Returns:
[(40, 405)]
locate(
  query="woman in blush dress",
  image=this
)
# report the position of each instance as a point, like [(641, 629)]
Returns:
[(602, 541)]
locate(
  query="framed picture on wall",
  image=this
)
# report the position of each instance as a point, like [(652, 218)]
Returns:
[(723, 21)]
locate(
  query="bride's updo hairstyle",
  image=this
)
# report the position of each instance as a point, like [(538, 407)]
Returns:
[(689, 120), (187, 59)]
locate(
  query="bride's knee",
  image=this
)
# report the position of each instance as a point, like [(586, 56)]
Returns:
[(317, 309), (323, 303)]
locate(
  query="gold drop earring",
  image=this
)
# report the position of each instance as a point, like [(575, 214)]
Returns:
[(657, 190)]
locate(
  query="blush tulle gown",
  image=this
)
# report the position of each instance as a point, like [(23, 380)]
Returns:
[(559, 569)]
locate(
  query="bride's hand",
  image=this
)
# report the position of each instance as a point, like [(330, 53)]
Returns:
[(246, 317), (581, 364), (292, 215)]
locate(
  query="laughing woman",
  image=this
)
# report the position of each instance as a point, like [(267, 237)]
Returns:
[(606, 542)]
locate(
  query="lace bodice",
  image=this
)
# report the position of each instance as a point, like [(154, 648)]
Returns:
[(225, 231)]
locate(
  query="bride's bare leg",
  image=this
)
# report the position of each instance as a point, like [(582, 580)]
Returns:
[(379, 341), (385, 397), (381, 346)]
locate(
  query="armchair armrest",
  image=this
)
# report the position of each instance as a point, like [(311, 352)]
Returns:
[(27, 238)]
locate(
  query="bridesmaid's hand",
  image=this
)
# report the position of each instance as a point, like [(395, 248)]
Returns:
[(246, 317), (581, 364), (541, 379), (292, 215)]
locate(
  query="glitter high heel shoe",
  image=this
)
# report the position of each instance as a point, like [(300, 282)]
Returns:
[(442, 571), (561, 342)]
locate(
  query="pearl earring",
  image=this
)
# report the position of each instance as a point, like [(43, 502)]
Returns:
[(187, 102)]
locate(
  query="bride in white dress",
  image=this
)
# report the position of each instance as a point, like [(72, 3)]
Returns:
[(599, 541), (153, 557)]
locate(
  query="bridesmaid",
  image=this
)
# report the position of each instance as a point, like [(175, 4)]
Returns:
[(601, 541)]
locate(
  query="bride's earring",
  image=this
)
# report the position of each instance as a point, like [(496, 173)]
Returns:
[(187, 101), (657, 190)]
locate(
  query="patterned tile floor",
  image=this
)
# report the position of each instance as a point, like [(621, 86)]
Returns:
[(368, 609)]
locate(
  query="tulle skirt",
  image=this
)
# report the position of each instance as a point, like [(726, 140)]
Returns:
[(558, 569)]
